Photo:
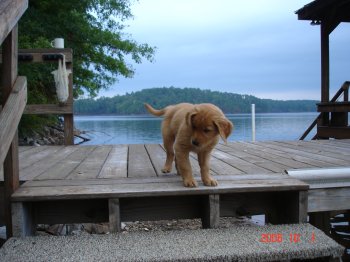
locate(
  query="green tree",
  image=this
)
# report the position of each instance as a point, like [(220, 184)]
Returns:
[(102, 50), (95, 30)]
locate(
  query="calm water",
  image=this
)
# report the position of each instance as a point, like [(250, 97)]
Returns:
[(146, 129)]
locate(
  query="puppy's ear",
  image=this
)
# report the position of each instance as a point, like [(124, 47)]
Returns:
[(189, 117), (225, 127)]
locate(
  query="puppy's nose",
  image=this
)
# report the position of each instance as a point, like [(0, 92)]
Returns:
[(195, 143)]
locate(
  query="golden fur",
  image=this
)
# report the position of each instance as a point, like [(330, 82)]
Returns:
[(197, 128)]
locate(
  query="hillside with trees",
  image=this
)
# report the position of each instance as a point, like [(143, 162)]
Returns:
[(160, 97)]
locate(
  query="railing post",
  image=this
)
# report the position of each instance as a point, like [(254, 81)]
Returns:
[(68, 118), (253, 122), (11, 169)]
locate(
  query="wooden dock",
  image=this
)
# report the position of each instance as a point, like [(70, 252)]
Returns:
[(77, 184), (133, 161)]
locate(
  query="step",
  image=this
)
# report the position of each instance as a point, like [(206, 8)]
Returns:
[(240, 243), (282, 198)]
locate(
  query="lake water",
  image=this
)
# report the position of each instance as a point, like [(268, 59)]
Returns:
[(146, 129)]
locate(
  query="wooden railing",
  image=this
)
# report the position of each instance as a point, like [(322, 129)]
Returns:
[(13, 99), (338, 125), (66, 109)]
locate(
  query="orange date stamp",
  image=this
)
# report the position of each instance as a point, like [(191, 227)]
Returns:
[(291, 238)]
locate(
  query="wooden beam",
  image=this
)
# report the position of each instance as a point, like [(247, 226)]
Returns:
[(38, 55), (334, 132), (10, 13), (11, 115), (333, 107), (49, 109)]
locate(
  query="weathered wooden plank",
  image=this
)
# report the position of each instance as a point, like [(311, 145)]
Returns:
[(329, 199), (116, 163), (342, 149), (49, 109), (147, 180), (274, 155), (140, 164), (237, 162), (271, 162), (11, 115), (313, 158), (153, 189), (74, 156), (305, 161), (158, 156), (46, 163), (323, 151), (222, 168), (35, 154), (239, 151), (91, 166), (10, 13)]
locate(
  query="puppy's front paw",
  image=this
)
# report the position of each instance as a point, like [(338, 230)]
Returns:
[(166, 170), (210, 182), (190, 183)]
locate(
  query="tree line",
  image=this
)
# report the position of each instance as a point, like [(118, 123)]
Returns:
[(132, 103)]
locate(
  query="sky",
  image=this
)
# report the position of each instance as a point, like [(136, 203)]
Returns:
[(254, 47)]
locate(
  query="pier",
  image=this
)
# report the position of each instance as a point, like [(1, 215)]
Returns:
[(293, 183)]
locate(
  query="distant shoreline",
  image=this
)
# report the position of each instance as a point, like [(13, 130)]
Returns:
[(146, 115)]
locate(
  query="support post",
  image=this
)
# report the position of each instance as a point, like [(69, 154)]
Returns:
[(321, 220), (22, 220), (211, 212), (114, 215), (253, 122), (324, 120), (11, 169), (68, 118)]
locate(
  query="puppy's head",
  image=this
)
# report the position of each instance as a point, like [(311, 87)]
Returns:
[(207, 123)]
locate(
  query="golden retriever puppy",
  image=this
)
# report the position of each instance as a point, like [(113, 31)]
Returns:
[(197, 128)]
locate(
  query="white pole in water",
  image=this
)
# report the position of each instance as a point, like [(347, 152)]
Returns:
[(253, 122)]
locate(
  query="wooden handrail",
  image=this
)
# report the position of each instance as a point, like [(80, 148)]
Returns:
[(343, 89), (51, 55), (11, 115), (40, 55), (13, 100), (10, 12), (45, 55)]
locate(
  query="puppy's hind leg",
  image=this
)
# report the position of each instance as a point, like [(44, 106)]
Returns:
[(169, 148)]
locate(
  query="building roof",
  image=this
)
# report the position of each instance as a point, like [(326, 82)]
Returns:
[(319, 10)]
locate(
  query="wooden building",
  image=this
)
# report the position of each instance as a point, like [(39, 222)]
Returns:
[(333, 119)]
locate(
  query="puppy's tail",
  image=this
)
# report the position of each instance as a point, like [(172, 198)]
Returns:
[(153, 111)]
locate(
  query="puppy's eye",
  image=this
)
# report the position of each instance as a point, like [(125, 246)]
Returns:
[(206, 130)]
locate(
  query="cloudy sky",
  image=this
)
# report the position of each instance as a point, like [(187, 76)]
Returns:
[(256, 47)]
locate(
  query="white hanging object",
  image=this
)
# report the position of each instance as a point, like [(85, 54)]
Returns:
[(61, 80)]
